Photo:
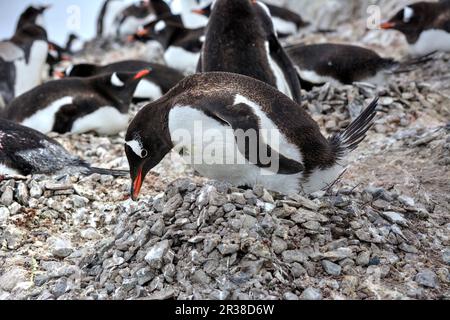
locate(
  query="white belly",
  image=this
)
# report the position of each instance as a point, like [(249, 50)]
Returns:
[(105, 121), (7, 171), (44, 120), (29, 75), (181, 59), (131, 24), (431, 40), (147, 90), (285, 27), (282, 83), (313, 77)]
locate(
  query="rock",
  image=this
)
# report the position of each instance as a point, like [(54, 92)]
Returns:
[(338, 254), (4, 216), (446, 256), (227, 248), (60, 287), (164, 294), (12, 277), (395, 217), (13, 236), (303, 216), (363, 258), (35, 190), (22, 193), (210, 243), (172, 205), (201, 277), (290, 256), (290, 296), (144, 275), (331, 268), (407, 201), (155, 255), (279, 245), (60, 247), (427, 278), (305, 203), (311, 294), (228, 207), (90, 234), (217, 199), (7, 197), (158, 228), (248, 221)]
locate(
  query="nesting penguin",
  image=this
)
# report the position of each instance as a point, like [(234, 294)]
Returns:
[(240, 38), (22, 61), (238, 129), (318, 64), (151, 87), (426, 26), (24, 151), (77, 105)]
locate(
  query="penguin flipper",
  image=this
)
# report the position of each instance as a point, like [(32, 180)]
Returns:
[(286, 64), (241, 118)]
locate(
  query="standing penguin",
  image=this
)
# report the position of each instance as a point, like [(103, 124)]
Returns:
[(151, 87), (240, 38), (237, 129), (77, 105), (22, 61), (25, 151), (426, 26), (32, 15)]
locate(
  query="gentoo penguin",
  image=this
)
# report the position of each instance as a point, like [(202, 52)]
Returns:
[(22, 61), (73, 44), (77, 105), (240, 38), (107, 16), (56, 54), (426, 26), (151, 87), (344, 64), (32, 15), (182, 46), (24, 151), (238, 129), (285, 21)]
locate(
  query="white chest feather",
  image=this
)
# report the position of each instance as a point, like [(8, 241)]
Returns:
[(313, 77), (131, 24), (29, 75), (181, 59), (7, 171), (105, 120), (44, 119), (282, 83), (431, 40), (283, 26), (148, 90)]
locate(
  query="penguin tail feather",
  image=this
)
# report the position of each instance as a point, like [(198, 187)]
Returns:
[(348, 140), (108, 172), (413, 64)]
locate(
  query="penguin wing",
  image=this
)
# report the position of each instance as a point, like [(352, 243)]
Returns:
[(282, 59), (241, 118), (10, 52)]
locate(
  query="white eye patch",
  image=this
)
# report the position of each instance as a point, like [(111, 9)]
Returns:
[(115, 81), (408, 13), (69, 70), (161, 25), (137, 148)]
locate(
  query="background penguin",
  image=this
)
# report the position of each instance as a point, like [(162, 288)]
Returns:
[(26, 151), (182, 46), (77, 105), (74, 44), (344, 64), (32, 15), (426, 26), (285, 21), (22, 61), (240, 39), (231, 106), (56, 54), (151, 87), (106, 18)]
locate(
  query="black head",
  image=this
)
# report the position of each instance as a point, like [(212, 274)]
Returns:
[(118, 86), (412, 20), (147, 142), (82, 70), (31, 15)]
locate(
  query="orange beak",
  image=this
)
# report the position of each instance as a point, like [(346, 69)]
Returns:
[(142, 32), (142, 74), (387, 25), (59, 74), (130, 38), (137, 184), (199, 11), (51, 47), (66, 58)]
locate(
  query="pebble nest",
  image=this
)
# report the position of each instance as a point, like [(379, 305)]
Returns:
[(381, 232)]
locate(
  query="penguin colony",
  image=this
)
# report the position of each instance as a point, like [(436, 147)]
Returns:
[(226, 72)]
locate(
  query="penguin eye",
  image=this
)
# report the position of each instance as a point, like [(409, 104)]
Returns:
[(144, 153)]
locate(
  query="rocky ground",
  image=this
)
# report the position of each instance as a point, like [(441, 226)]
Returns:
[(381, 232)]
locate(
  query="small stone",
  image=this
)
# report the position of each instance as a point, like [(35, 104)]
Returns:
[(227, 248), (35, 190), (201, 277), (363, 258), (210, 243), (22, 193), (427, 278), (312, 225), (290, 256), (61, 248), (60, 287), (290, 296), (155, 255), (217, 199), (298, 270), (7, 196), (395, 217), (311, 294), (12, 277), (13, 236), (338, 254), (407, 201), (228, 207), (164, 294), (248, 221), (157, 228), (4, 216), (446, 256), (172, 205), (279, 245), (14, 208), (90, 234), (331, 268), (144, 275)]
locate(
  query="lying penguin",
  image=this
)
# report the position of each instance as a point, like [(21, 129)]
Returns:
[(237, 129), (78, 105), (22, 61), (426, 26), (182, 46), (151, 87), (318, 64), (25, 151), (240, 38)]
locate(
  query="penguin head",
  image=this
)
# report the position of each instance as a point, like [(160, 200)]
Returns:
[(82, 70), (32, 15), (147, 142), (32, 32)]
